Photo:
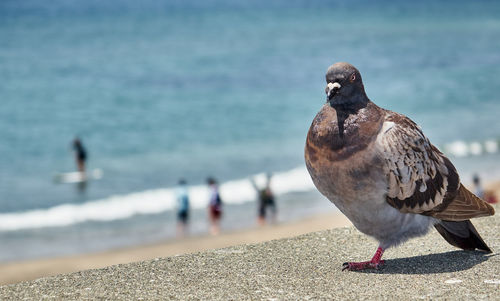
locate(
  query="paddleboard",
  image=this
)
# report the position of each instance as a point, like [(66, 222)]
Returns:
[(78, 177)]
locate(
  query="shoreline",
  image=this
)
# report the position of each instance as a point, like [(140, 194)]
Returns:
[(24, 270), (303, 267), (17, 271)]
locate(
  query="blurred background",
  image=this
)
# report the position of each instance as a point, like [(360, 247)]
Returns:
[(162, 90)]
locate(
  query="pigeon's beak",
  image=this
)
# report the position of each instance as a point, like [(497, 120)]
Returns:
[(331, 90)]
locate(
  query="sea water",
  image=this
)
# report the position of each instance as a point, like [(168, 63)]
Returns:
[(159, 90)]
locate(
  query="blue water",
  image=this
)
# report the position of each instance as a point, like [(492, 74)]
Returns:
[(158, 91)]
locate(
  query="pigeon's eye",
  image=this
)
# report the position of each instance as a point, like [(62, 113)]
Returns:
[(353, 77)]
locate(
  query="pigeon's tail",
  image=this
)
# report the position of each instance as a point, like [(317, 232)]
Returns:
[(462, 235)]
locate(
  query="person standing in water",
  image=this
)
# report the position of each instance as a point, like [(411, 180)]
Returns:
[(265, 201), (214, 206), (80, 154), (182, 207), (478, 188)]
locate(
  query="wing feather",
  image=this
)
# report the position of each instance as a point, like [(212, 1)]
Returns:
[(420, 178)]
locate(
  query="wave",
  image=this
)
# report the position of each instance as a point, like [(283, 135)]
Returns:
[(463, 149), (152, 202), (160, 200)]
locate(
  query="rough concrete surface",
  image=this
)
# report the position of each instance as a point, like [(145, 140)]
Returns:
[(300, 268)]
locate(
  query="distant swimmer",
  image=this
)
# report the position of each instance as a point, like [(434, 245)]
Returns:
[(214, 206), (182, 207), (80, 154)]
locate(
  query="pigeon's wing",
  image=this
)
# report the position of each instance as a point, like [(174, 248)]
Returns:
[(420, 178)]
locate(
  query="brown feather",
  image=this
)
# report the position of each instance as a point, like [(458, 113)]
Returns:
[(464, 206)]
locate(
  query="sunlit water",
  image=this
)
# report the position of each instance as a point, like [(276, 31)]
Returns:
[(224, 88)]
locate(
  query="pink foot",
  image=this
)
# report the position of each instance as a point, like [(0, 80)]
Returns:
[(375, 263), (358, 266)]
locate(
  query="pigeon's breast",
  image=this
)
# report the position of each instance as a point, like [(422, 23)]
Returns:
[(343, 166), (339, 138)]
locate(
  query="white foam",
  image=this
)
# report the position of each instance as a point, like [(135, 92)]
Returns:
[(462, 149), (491, 146), (151, 202), (475, 148), (457, 148)]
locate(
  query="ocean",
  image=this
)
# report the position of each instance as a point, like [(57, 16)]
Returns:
[(162, 90)]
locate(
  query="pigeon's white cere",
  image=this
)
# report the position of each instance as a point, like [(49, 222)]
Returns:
[(330, 86)]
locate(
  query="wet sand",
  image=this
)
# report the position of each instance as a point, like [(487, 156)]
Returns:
[(13, 272)]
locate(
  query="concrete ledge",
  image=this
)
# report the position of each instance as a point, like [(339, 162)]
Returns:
[(303, 267)]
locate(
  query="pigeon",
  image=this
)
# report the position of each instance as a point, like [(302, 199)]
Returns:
[(383, 173)]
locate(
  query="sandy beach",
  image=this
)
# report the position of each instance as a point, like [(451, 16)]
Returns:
[(13, 272), (303, 267)]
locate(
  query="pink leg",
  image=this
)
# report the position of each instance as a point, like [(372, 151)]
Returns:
[(375, 263)]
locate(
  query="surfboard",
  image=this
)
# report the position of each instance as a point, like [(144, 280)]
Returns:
[(78, 177)]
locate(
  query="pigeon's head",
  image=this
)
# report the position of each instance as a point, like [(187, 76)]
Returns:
[(344, 85)]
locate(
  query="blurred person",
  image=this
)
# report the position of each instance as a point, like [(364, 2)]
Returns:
[(490, 197), (80, 154), (266, 201), (478, 189), (182, 196), (214, 206)]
